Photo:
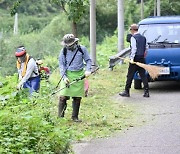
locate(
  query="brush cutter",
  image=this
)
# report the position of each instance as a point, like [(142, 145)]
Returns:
[(74, 81)]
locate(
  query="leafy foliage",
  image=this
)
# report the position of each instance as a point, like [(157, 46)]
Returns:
[(28, 124), (168, 7), (38, 45), (29, 7), (106, 15), (26, 24), (77, 11), (74, 9), (57, 28)]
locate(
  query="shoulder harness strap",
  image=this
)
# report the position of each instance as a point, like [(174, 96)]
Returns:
[(65, 51), (36, 64)]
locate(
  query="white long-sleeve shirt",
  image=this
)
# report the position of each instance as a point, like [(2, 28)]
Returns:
[(134, 47), (31, 71)]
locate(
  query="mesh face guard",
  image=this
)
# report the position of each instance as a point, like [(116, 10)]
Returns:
[(72, 47)]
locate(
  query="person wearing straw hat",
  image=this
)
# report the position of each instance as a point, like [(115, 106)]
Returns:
[(138, 49), (71, 62), (27, 71)]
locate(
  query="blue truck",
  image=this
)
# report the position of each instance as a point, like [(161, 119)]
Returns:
[(163, 37)]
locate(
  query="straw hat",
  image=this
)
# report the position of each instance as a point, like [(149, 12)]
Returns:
[(69, 40)]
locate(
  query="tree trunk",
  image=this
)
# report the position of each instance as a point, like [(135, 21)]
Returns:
[(74, 28)]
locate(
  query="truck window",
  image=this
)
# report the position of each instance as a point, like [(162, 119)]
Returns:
[(161, 32)]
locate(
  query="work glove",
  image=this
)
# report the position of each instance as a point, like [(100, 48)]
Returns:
[(66, 80), (87, 74), (20, 77), (132, 61), (18, 87)]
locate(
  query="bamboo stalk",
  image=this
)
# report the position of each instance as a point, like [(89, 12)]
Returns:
[(154, 71)]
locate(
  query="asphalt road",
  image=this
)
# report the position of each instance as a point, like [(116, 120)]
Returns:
[(159, 135)]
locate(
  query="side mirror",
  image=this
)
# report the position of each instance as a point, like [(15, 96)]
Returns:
[(128, 37)]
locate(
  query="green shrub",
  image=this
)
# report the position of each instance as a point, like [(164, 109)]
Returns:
[(28, 24), (58, 27), (28, 124), (38, 44)]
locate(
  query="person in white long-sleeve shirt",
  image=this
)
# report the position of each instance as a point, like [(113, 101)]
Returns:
[(138, 51), (27, 71)]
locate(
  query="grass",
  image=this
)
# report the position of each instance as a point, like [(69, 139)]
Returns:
[(102, 115)]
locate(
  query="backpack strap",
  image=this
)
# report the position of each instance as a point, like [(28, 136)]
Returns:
[(25, 65), (36, 64), (65, 53), (79, 48)]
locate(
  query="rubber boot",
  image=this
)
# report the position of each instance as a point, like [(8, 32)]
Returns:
[(62, 106), (146, 93), (125, 93), (75, 112)]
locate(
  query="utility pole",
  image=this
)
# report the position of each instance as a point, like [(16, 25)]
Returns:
[(16, 24), (142, 9), (120, 25), (155, 7), (93, 32), (158, 8)]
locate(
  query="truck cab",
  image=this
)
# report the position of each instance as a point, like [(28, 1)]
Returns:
[(163, 38)]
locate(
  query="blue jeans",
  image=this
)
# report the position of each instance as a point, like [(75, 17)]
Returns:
[(33, 84)]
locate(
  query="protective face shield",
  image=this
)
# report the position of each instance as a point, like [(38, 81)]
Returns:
[(72, 47)]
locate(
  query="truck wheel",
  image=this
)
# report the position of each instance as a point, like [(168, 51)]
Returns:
[(137, 84)]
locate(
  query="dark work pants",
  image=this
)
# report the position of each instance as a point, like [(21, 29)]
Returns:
[(132, 70)]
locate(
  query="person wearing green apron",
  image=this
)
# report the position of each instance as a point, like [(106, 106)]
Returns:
[(71, 62)]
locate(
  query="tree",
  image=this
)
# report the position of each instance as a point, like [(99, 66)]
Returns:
[(74, 10), (106, 16), (168, 7), (30, 7)]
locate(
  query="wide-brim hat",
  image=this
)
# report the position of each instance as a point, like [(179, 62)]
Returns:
[(69, 40)]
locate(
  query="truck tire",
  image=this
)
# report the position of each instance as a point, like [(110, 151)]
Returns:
[(137, 84)]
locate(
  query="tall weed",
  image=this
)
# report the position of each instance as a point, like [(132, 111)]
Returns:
[(28, 124)]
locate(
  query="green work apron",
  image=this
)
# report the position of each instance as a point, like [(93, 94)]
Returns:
[(77, 88)]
